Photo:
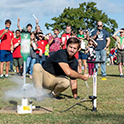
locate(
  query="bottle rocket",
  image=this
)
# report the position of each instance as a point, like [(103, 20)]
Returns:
[(25, 45)]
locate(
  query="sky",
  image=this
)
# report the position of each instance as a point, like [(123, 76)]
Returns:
[(44, 10)]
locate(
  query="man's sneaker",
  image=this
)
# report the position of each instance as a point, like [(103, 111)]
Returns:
[(77, 97), (103, 75), (122, 76), (56, 98)]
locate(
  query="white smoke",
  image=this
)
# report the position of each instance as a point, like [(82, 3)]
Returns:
[(25, 90)]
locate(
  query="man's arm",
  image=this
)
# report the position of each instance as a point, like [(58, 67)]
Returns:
[(95, 36), (108, 42), (71, 73), (50, 42), (18, 24), (12, 48), (114, 35), (74, 88)]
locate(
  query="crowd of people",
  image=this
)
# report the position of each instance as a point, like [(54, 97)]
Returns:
[(52, 58)]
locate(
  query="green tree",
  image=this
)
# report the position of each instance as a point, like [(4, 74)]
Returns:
[(84, 17), (112, 43)]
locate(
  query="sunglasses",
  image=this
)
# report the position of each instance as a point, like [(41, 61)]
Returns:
[(99, 25), (40, 36), (121, 32)]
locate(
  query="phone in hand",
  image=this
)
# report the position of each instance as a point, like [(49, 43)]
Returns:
[(55, 35), (99, 30), (6, 28)]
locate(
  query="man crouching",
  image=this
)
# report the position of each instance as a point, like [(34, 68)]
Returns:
[(53, 74)]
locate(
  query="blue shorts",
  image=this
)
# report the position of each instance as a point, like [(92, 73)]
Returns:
[(110, 55), (82, 55), (5, 56)]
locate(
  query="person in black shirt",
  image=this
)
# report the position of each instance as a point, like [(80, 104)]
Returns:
[(62, 64)]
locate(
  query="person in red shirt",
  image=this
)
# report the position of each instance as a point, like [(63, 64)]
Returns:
[(5, 48), (41, 49), (17, 57), (65, 37)]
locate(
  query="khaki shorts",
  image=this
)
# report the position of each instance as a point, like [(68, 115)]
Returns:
[(120, 56), (18, 62)]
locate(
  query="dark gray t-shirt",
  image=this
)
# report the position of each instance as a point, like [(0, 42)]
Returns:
[(101, 38)]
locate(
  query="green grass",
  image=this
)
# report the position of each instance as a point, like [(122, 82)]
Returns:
[(110, 104)]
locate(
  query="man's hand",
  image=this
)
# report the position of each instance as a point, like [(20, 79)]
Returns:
[(97, 33), (85, 77), (5, 31), (105, 48)]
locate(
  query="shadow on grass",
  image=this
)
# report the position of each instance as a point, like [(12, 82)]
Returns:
[(85, 107), (111, 75), (70, 97), (13, 102)]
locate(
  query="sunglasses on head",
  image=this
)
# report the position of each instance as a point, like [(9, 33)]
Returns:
[(99, 25)]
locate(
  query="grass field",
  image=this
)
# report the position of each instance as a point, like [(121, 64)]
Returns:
[(110, 103)]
